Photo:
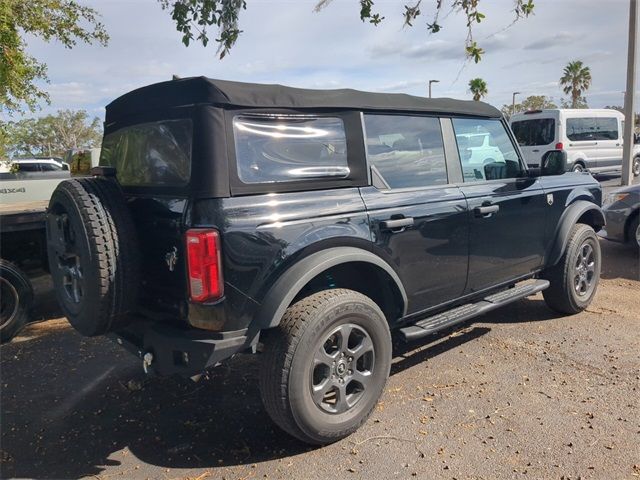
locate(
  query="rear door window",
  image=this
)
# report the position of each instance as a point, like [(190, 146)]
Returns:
[(288, 148), (406, 151), (582, 129), (534, 132), (607, 128)]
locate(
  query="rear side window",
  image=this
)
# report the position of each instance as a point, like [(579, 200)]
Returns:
[(289, 148), (407, 151), (581, 128), (29, 167), (150, 154), (607, 129), (530, 133)]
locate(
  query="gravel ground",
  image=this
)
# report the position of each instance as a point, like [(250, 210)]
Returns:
[(518, 394)]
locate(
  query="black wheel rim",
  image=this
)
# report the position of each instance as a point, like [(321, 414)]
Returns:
[(63, 239), (585, 270), (8, 302), (343, 368)]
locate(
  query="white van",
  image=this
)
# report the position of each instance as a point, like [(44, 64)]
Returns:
[(592, 138)]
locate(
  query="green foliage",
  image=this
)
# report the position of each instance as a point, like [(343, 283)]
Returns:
[(193, 18), (575, 80), (62, 20), (51, 135), (580, 102), (478, 88), (532, 102)]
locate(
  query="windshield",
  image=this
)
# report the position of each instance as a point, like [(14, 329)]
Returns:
[(150, 154)]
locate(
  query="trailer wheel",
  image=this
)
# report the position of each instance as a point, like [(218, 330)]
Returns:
[(16, 297)]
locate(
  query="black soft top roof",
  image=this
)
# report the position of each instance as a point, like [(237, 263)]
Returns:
[(202, 90)]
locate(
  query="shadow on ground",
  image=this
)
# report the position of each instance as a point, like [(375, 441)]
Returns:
[(73, 405)]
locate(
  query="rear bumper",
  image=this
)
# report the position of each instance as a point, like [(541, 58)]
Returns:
[(184, 352)]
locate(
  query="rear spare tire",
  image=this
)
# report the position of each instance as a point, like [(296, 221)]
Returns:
[(16, 296), (93, 254)]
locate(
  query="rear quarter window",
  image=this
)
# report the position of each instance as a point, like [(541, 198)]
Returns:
[(288, 148), (150, 154), (538, 131)]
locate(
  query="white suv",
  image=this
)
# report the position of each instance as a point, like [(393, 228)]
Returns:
[(592, 138)]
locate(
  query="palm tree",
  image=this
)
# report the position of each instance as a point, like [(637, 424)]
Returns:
[(478, 87), (575, 80)]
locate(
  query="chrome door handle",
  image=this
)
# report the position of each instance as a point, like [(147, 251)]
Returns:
[(486, 210), (396, 224)]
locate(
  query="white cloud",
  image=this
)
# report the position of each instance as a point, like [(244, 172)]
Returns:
[(286, 42)]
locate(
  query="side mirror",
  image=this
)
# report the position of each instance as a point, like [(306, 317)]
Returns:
[(554, 162)]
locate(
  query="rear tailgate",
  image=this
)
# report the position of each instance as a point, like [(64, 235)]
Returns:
[(159, 223)]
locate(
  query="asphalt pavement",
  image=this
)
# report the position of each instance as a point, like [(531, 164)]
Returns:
[(520, 393)]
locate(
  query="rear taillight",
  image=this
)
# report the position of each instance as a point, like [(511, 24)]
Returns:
[(559, 146), (204, 261)]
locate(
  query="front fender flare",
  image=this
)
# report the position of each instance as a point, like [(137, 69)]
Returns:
[(568, 219), (292, 281)]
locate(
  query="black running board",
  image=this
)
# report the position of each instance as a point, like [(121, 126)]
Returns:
[(431, 325)]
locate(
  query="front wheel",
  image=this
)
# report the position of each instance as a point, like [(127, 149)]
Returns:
[(326, 365), (574, 279)]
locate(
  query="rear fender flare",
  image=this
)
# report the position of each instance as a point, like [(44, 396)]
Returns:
[(568, 219), (292, 281)]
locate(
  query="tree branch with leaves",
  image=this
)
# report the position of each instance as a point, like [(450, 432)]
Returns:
[(194, 19), (63, 20)]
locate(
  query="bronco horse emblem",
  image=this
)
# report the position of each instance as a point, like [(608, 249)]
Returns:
[(171, 258)]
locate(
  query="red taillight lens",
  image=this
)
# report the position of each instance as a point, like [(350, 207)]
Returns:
[(559, 146), (205, 264)]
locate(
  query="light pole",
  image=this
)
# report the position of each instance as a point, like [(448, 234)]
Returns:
[(629, 97), (430, 82), (513, 102)]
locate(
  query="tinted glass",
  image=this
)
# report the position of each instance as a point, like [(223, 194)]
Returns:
[(50, 167), (157, 153), (581, 129), (539, 131), (289, 148), (29, 167), (607, 129), (407, 151), (495, 159)]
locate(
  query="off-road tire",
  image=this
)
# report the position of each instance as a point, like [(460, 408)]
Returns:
[(632, 232), (17, 300), (102, 234), (285, 376), (561, 295)]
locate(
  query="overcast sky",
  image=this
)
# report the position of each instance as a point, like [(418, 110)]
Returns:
[(287, 42)]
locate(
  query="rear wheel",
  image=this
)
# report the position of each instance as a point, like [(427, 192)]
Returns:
[(16, 299), (326, 365), (578, 167), (574, 279), (635, 167)]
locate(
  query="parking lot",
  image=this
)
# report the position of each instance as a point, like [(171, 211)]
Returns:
[(519, 393)]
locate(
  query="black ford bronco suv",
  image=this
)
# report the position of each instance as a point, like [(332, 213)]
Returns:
[(226, 216)]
